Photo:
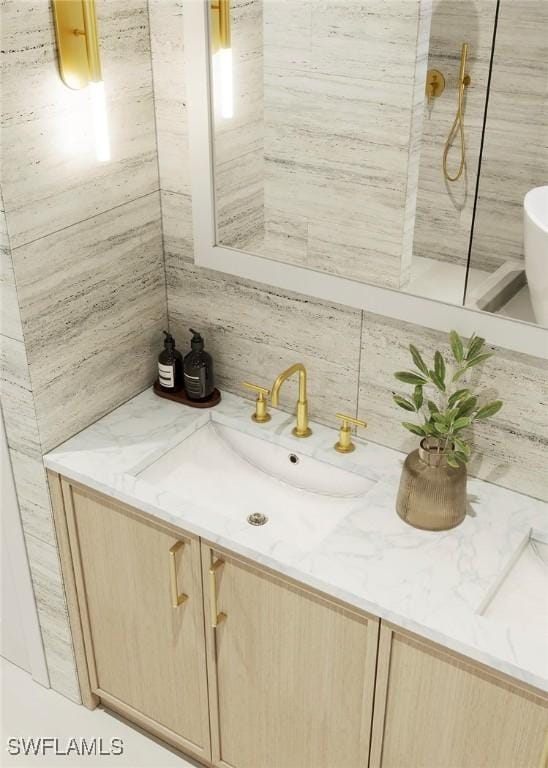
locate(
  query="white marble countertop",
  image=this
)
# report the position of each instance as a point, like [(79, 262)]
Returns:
[(434, 584)]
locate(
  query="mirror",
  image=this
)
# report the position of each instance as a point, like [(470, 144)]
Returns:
[(396, 144)]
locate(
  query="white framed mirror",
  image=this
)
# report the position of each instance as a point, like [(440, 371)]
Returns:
[(315, 165)]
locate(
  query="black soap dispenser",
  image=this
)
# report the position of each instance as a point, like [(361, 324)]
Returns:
[(198, 370), (170, 366)]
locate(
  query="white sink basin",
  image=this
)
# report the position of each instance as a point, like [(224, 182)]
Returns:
[(236, 475), (521, 597)]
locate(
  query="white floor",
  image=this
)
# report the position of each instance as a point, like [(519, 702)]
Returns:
[(30, 711), (440, 280)]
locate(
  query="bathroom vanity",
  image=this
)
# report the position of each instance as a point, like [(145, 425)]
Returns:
[(332, 635)]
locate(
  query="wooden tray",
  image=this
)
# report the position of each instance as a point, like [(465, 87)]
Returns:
[(182, 397)]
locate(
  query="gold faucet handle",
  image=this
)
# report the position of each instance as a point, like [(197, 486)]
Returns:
[(344, 443), (261, 414)]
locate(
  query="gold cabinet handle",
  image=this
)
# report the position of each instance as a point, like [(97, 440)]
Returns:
[(261, 414), (344, 444), (176, 598), (216, 618)]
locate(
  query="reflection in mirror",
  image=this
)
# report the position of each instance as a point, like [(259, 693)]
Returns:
[(510, 234), (311, 168), (472, 234), (388, 143)]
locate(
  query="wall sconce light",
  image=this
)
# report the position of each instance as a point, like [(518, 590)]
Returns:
[(80, 63), (221, 47)]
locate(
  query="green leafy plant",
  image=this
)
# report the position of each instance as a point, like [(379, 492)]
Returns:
[(447, 408)]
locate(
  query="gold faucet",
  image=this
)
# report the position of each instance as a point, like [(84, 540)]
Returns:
[(301, 429)]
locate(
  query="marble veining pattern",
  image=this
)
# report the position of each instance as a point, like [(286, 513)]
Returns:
[(17, 398), (25, 452), (168, 65), (98, 286), (33, 497), (330, 100), (434, 584), (52, 613), (177, 226), (50, 125), (10, 320)]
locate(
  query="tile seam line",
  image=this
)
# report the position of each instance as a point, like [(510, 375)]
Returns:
[(87, 218), (4, 335)]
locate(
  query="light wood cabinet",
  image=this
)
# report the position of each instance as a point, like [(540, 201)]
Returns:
[(291, 673), (145, 656), (433, 709), (288, 678)]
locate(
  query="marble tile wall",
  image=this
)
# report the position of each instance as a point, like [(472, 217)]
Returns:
[(82, 281), (50, 125), (253, 334), (239, 140), (253, 331), (515, 154), (415, 140), (338, 106), (30, 480), (92, 301), (444, 209)]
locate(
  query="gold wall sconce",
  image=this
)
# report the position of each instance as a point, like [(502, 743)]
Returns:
[(220, 37), (80, 61), (77, 42), (220, 25)]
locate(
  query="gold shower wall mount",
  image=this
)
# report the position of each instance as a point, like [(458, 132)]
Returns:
[(457, 129), (77, 42)]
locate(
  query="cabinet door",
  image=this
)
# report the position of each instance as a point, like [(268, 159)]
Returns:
[(291, 674), (146, 656), (435, 710)]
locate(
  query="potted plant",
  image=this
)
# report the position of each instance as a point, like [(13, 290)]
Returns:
[(432, 491)]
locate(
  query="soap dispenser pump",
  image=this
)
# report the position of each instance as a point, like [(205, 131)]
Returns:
[(198, 369), (170, 366)]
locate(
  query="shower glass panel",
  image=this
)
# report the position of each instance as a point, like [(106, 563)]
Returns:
[(509, 244), (476, 240), (461, 39)]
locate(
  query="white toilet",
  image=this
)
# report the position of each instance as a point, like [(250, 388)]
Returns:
[(535, 245)]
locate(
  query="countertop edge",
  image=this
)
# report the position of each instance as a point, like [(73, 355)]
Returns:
[(505, 667)]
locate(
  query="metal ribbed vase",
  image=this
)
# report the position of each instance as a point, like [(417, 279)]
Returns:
[(432, 495)]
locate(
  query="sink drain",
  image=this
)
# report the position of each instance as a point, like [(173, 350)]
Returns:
[(257, 518)]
